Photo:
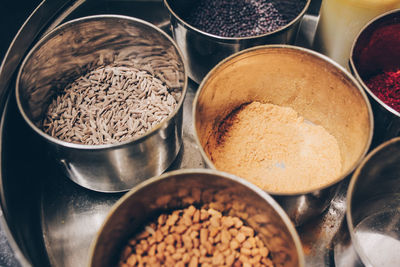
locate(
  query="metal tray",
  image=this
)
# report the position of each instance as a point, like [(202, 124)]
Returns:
[(50, 221)]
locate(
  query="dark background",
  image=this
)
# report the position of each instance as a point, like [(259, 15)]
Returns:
[(13, 14)]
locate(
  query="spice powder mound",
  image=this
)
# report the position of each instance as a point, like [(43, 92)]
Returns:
[(276, 149)]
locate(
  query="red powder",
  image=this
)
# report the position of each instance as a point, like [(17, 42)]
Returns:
[(386, 86), (377, 55), (381, 51)]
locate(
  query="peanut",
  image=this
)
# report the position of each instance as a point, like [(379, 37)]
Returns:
[(193, 237)]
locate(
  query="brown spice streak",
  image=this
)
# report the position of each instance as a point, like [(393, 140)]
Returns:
[(227, 123)]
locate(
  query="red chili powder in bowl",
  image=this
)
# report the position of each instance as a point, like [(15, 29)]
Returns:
[(386, 86), (379, 50), (379, 62)]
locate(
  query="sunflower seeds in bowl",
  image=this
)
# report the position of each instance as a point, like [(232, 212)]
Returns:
[(108, 101)]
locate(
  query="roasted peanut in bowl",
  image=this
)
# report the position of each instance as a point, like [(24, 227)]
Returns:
[(196, 217)]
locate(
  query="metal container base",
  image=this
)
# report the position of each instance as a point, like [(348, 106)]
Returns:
[(51, 221)]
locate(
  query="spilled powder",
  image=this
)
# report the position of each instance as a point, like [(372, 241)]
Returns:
[(276, 149)]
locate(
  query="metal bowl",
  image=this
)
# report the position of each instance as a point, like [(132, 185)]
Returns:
[(379, 55), (182, 188), (202, 50), (319, 89), (78, 46), (373, 206)]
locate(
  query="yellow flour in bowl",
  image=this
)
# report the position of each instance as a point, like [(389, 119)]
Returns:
[(276, 149)]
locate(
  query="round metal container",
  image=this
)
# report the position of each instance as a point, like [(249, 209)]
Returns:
[(202, 50), (316, 87), (182, 188), (379, 57), (70, 51), (373, 206)]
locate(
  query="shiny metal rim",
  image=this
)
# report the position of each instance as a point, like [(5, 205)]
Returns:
[(106, 146), (236, 39), (353, 65), (315, 54), (355, 177), (257, 190)]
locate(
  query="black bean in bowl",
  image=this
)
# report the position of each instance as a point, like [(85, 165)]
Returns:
[(242, 18), (208, 31)]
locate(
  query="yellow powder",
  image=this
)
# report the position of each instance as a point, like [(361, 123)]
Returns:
[(274, 148)]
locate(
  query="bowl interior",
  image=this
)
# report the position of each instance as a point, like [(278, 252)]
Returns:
[(181, 189), (377, 48), (289, 10), (373, 211), (318, 90), (79, 46)]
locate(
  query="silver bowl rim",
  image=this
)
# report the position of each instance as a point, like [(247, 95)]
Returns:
[(182, 172), (302, 50), (349, 196), (71, 23), (355, 69), (236, 39)]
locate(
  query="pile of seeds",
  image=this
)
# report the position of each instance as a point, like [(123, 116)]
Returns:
[(243, 18), (193, 237), (108, 105)]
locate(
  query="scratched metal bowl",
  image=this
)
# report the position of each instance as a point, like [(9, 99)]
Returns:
[(369, 57), (315, 86), (373, 206), (179, 189), (202, 50), (73, 49)]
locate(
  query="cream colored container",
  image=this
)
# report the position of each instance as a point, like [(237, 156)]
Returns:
[(341, 20)]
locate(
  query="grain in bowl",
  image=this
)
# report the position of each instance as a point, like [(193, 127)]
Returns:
[(109, 104), (196, 218), (105, 94), (192, 236)]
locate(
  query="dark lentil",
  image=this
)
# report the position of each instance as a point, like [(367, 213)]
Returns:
[(243, 18)]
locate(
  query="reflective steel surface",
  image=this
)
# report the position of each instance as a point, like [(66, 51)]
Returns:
[(203, 51), (230, 193), (48, 219), (50, 66), (373, 206), (71, 215), (387, 120), (303, 80)]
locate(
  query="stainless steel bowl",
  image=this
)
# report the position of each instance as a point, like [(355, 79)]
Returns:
[(387, 120), (316, 87), (202, 51), (181, 188), (373, 206), (70, 51)]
